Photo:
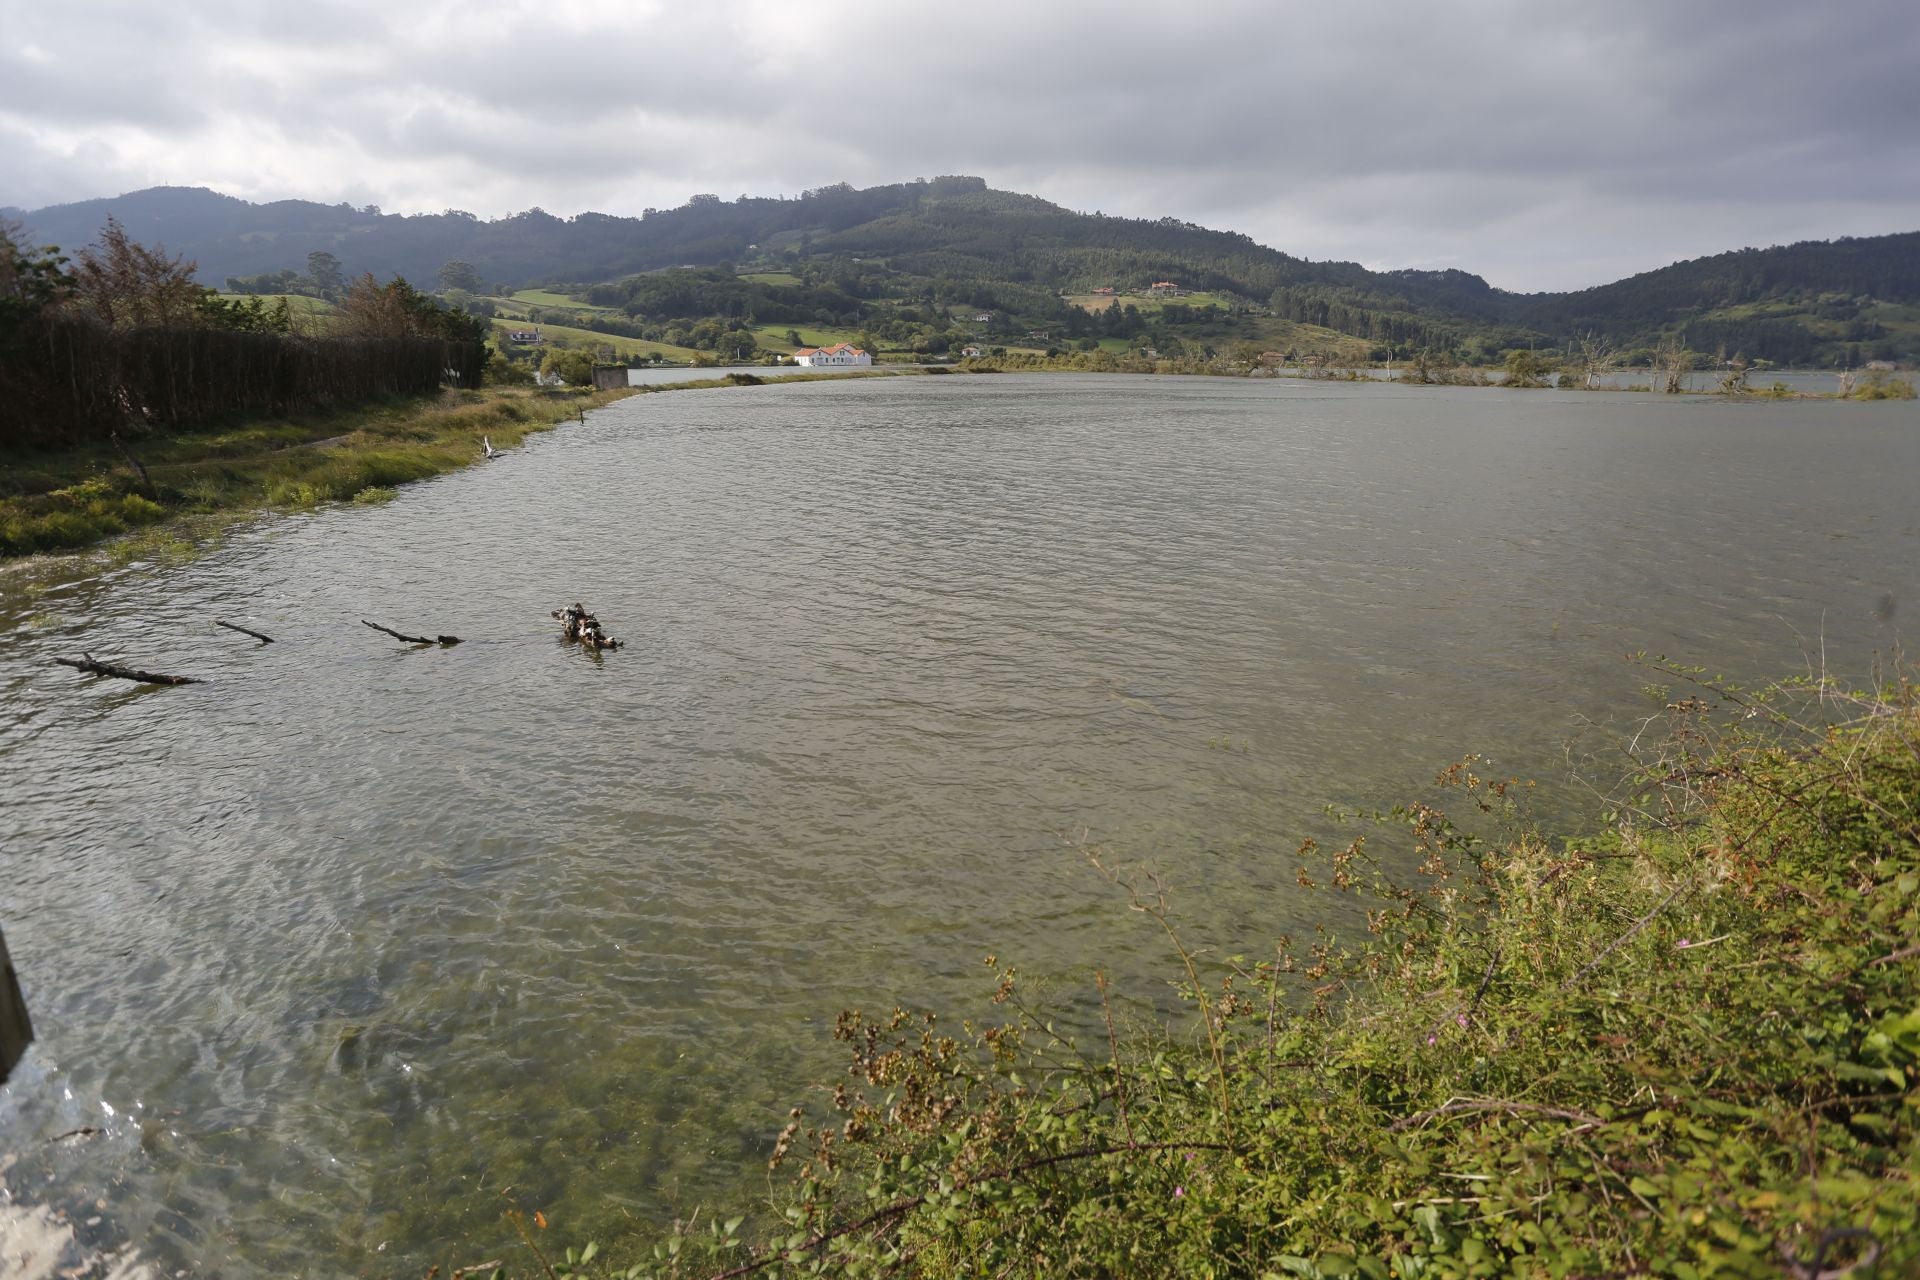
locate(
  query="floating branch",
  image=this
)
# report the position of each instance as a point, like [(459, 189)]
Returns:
[(577, 624), (442, 641), (87, 663), (244, 631)]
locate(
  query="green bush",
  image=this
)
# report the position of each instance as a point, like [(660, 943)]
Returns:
[(1883, 384)]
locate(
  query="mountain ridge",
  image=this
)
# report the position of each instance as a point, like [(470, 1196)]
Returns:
[(1812, 301)]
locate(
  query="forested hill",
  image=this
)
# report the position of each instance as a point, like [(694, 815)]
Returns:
[(1810, 302)]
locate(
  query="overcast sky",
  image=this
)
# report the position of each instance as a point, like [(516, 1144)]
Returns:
[(1544, 145)]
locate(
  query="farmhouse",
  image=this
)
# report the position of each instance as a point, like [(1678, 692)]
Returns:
[(1163, 287), (842, 356), (527, 337)]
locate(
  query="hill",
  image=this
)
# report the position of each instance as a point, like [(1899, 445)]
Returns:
[(956, 246)]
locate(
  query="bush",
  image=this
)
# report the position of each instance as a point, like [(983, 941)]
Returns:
[(1883, 384)]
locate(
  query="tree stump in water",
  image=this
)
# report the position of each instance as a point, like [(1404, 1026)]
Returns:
[(577, 624)]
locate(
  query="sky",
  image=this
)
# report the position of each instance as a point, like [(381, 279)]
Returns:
[(1543, 145)]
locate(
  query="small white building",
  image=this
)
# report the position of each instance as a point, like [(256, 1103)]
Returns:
[(843, 356)]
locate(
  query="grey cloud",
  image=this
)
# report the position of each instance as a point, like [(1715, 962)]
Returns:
[(1541, 144)]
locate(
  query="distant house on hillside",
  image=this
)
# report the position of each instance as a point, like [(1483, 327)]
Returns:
[(971, 353), (1163, 286), (984, 317), (1104, 291), (526, 337), (845, 355)]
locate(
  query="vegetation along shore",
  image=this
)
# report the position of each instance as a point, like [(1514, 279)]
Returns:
[(1685, 1045)]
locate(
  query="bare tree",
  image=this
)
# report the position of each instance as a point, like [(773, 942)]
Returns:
[(1673, 359), (1596, 356)]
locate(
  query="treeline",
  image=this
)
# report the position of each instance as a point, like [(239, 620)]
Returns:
[(67, 380), (124, 339)]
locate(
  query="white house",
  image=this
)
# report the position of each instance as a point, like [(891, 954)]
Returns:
[(843, 356)]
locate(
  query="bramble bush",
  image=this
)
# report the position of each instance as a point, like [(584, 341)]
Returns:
[(1686, 1048)]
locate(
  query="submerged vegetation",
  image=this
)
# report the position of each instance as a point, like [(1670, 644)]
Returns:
[(1684, 1047)]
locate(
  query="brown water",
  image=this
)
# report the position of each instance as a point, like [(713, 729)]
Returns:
[(337, 944)]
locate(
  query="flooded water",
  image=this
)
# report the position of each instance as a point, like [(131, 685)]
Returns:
[(337, 945)]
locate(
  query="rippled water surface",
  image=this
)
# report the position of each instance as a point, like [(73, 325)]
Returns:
[(336, 945)]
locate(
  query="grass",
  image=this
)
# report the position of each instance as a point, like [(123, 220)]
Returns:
[(772, 277), (547, 298), (773, 337), (1147, 304), (298, 303), (67, 500), (1685, 1045), (563, 335)]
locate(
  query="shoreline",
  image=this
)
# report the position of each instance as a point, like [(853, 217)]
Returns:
[(90, 504)]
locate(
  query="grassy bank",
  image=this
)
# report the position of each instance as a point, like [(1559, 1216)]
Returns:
[(1684, 1047), (74, 498)]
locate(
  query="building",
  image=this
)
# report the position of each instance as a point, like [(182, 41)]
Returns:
[(843, 356), (971, 353), (1104, 291), (526, 337)]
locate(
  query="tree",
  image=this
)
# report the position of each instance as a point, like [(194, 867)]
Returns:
[(1596, 356), (575, 367), (324, 270), (1673, 360), (737, 344), (460, 275), (1524, 368), (31, 280), (126, 285), (398, 310)]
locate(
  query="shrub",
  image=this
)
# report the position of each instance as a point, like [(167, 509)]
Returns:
[(1883, 384)]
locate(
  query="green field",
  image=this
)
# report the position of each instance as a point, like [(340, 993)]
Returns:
[(772, 277), (546, 298), (1146, 304), (773, 337), (563, 336)]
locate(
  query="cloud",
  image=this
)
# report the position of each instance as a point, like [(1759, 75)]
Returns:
[(1545, 144)]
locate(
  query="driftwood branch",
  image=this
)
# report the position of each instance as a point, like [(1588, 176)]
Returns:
[(263, 639), (1459, 1105), (443, 641), (87, 662), (145, 480)]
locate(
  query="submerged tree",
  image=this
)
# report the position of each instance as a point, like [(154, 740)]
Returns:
[(1672, 360), (1596, 356)]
